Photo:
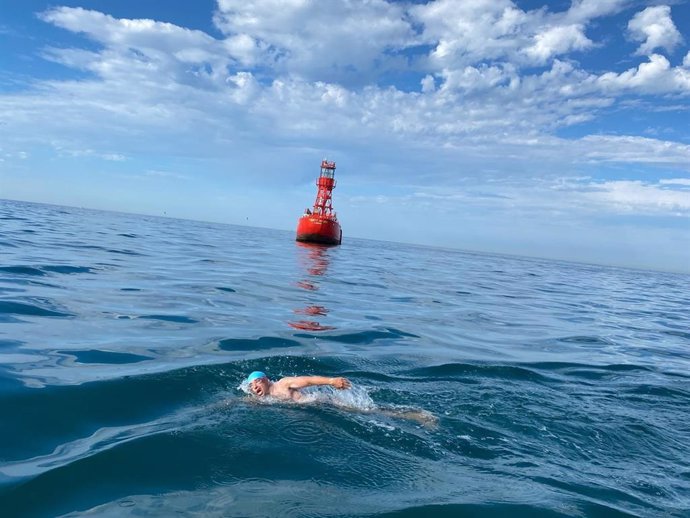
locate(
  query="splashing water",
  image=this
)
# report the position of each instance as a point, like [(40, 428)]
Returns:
[(356, 399)]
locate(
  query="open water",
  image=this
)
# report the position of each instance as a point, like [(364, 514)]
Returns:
[(555, 389)]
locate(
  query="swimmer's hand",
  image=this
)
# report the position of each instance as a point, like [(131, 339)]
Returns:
[(340, 383)]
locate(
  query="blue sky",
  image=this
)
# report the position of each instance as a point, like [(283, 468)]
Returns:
[(556, 129)]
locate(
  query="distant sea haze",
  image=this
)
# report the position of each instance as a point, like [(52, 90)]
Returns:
[(544, 388)]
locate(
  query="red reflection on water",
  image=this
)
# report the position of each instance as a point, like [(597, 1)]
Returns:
[(306, 325), (312, 310), (314, 259)]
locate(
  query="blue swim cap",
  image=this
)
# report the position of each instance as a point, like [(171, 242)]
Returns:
[(255, 376)]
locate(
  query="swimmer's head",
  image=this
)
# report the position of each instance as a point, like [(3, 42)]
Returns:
[(255, 375), (258, 383)]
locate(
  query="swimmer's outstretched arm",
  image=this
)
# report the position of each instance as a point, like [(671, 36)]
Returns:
[(299, 382)]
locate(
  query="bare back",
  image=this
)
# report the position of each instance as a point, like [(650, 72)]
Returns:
[(281, 389)]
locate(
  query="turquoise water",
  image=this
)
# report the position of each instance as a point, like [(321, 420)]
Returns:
[(555, 389)]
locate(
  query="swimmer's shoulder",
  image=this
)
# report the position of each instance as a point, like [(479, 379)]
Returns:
[(282, 389), (285, 382)]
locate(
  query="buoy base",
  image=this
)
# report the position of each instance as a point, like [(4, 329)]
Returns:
[(315, 229), (317, 238)]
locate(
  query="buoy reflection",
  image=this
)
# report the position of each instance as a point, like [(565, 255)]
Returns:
[(314, 260), (305, 325), (312, 310)]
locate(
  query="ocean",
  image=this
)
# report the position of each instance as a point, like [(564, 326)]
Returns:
[(483, 385)]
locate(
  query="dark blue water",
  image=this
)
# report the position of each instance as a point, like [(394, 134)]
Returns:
[(549, 388)]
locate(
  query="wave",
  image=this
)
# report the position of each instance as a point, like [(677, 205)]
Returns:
[(512, 387), (364, 337), (42, 270), (25, 309)]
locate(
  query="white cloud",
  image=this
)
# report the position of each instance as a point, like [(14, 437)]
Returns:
[(475, 78), (208, 97), (141, 34), (655, 29), (139, 47), (428, 83), (557, 40), (654, 76), (245, 49), (316, 40), (468, 33), (639, 197), (246, 87), (562, 197), (632, 149), (585, 10)]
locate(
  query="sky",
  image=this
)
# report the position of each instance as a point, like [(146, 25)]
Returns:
[(551, 129)]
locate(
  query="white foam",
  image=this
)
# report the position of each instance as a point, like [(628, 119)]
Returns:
[(355, 398), (244, 387)]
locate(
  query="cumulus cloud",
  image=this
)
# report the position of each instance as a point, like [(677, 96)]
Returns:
[(655, 29), (585, 10), (654, 76), (139, 47), (274, 77), (428, 83), (557, 40), (468, 32), (464, 33), (334, 41)]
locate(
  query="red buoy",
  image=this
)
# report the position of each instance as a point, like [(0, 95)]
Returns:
[(320, 225)]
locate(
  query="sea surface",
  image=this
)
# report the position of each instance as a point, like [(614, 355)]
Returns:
[(483, 385)]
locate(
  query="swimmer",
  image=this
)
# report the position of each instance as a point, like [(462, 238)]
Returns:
[(289, 388)]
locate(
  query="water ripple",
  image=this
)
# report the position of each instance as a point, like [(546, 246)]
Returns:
[(514, 387), (20, 308)]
